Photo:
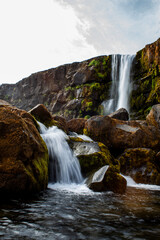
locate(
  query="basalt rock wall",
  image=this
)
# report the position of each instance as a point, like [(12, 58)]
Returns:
[(146, 80), (71, 90)]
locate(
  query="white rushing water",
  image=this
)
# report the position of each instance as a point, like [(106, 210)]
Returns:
[(132, 183), (121, 83), (64, 168)]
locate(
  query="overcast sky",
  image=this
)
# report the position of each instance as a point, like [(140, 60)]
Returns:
[(41, 34)]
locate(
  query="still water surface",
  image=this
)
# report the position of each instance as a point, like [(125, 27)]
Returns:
[(75, 212)]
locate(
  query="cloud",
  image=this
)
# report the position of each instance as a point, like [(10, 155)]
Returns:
[(37, 35), (118, 26)]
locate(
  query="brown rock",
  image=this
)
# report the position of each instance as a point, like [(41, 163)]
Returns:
[(140, 164), (118, 135), (23, 154), (120, 114), (41, 114), (151, 53), (107, 179), (153, 118), (62, 124), (76, 125)]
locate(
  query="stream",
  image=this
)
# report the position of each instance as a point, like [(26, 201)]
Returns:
[(75, 212)]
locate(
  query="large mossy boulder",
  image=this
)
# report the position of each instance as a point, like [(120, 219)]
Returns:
[(118, 135), (141, 165), (23, 154), (107, 179), (91, 155)]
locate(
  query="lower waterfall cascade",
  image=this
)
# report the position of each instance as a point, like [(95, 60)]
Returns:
[(63, 166), (121, 83)]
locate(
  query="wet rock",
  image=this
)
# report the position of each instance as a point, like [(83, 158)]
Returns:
[(41, 114), (76, 125), (153, 118), (121, 114), (107, 179), (119, 135), (140, 164), (62, 124), (23, 154), (91, 155)]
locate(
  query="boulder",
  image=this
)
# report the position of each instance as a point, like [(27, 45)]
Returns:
[(107, 179), (41, 113), (62, 124), (153, 118), (23, 154), (91, 155), (76, 125), (120, 114), (119, 135), (140, 164)]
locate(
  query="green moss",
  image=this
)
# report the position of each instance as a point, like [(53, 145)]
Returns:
[(147, 82), (140, 164), (94, 62), (87, 117), (113, 181), (95, 86), (76, 139), (37, 170), (92, 162)]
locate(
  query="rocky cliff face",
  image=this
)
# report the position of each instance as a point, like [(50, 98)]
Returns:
[(146, 80), (78, 89), (72, 90)]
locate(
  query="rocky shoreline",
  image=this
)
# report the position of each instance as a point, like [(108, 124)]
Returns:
[(127, 147)]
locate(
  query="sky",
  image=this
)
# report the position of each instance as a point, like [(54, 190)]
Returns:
[(40, 34)]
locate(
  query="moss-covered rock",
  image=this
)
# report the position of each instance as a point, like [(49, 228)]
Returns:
[(23, 154), (146, 80), (140, 164), (107, 179), (91, 155)]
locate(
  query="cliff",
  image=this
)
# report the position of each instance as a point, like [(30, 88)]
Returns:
[(146, 80), (78, 89), (71, 90)]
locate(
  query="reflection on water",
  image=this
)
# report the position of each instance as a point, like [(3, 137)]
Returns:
[(78, 213)]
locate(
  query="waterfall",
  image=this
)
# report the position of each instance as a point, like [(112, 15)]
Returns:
[(121, 84), (63, 166)]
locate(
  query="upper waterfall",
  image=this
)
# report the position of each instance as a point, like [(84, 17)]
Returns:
[(121, 83), (63, 166)]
